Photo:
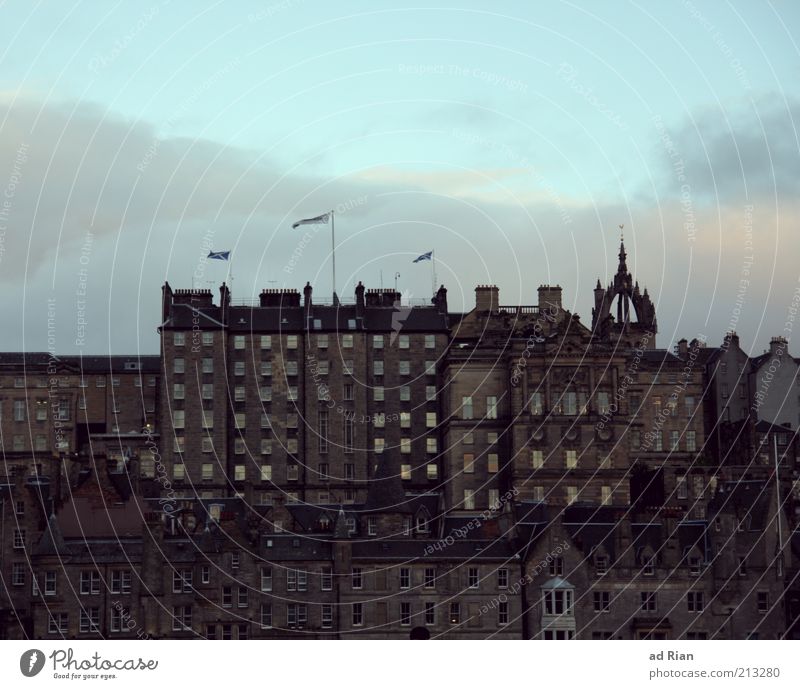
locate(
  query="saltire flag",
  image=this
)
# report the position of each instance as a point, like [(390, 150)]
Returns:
[(319, 220), (219, 255), (424, 257)]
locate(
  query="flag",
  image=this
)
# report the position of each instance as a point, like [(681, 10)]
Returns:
[(319, 220), (424, 257), (219, 255)]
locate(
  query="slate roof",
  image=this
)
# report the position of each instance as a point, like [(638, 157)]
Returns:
[(748, 500)]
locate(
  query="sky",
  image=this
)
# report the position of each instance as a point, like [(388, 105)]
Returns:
[(510, 138)]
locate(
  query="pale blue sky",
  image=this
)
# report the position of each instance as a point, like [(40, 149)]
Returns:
[(512, 138)]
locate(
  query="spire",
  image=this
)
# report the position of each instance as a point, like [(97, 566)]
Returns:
[(623, 266), (341, 530), (52, 542), (386, 492)]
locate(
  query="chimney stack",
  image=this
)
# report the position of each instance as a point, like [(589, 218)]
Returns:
[(550, 297), (487, 298)]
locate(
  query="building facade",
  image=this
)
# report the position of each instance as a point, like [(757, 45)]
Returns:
[(377, 468)]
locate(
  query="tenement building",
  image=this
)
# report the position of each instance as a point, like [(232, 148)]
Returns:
[(374, 467)]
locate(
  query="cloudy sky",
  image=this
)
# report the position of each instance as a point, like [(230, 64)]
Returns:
[(511, 138)]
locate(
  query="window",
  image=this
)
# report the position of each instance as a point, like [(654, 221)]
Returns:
[(657, 441), (572, 494), (694, 566), (432, 471), (469, 499), (648, 568), (405, 393), (178, 339), (181, 617), (430, 341), (119, 614), (695, 601), (762, 601), (18, 574), (404, 368), (327, 616), (178, 365), (347, 341), (430, 613), (405, 577), (537, 403), (430, 368), (571, 459), (358, 614), (491, 407), (50, 578), (600, 565), (356, 577), (674, 440), (466, 407), (602, 601), (431, 446), (648, 600), (182, 581), (208, 391), (403, 342), (603, 404), (405, 614), (242, 598), (558, 602), (58, 623), (557, 567), (378, 445), (377, 341), (378, 393), (90, 583), (472, 577), (266, 616), (20, 410), (492, 463), (19, 538), (430, 393), (455, 613), (682, 488), (326, 579), (605, 495), (377, 367), (372, 526), (691, 441), (537, 459), (430, 419), (121, 581), (469, 463), (89, 620), (227, 596), (429, 578), (178, 391)]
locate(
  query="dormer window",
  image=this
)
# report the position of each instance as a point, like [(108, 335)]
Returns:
[(422, 520)]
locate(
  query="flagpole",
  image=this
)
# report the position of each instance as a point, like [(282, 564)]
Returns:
[(433, 268), (333, 256)]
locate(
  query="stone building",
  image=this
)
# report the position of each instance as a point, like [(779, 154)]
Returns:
[(379, 468)]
